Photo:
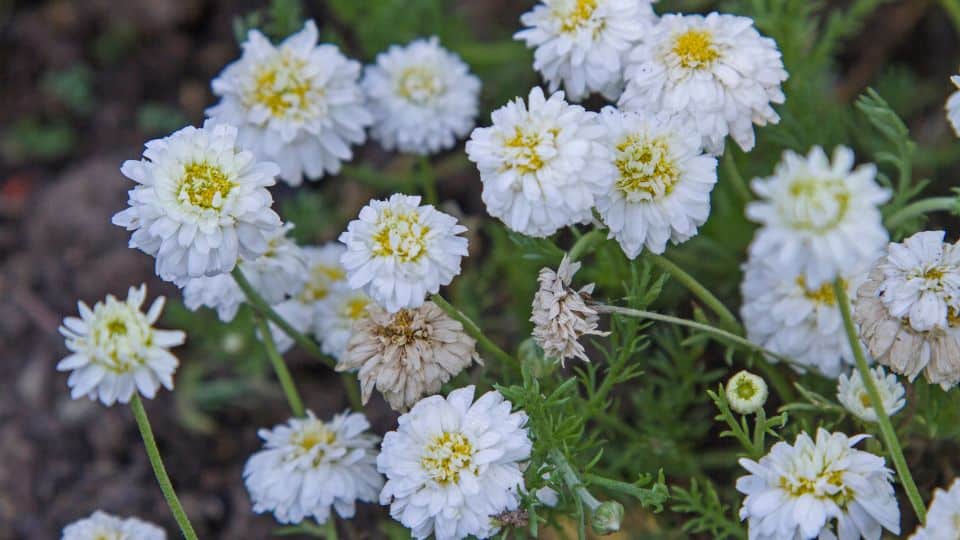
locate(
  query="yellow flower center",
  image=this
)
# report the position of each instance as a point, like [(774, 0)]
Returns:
[(204, 185), (400, 235), (321, 277), (696, 49), (818, 205), (446, 456), (576, 17), (279, 87), (522, 149), (419, 85), (823, 295), (865, 400), (116, 327), (953, 317), (400, 330), (837, 492), (647, 170), (745, 389), (313, 434), (356, 308)]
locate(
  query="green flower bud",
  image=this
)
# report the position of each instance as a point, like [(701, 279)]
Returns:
[(746, 392), (606, 518)]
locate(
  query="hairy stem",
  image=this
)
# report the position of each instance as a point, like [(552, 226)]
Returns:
[(473, 330), (883, 420), (153, 453), (571, 479), (919, 208), (280, 368)]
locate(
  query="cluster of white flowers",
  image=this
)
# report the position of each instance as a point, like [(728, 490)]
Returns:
[(103, 526)]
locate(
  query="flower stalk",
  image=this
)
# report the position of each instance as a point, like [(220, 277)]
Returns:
[(727, 317), (605, 516), (473, 330), (280, 368), (921, 207)]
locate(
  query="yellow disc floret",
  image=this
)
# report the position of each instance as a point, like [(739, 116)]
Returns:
[(280, 87), (823, 295), (419, 84), (204, 185), (646, 168), (446, 456), (400, 235), (695, 49), (582, 10)]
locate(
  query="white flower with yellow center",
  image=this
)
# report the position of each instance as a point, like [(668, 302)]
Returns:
[(953, 106), (818, 489), (539, 163), (399, 251), (277, 274), (852, 393), (201, 204), (325, 272), (784, 314), (297, 103), (658, 181), (943, 516), (716, 70), (115, 350), (308, 467), (422, 96), (103, 526), (820, 220), (582, 43), (453, 464), (336, 316)]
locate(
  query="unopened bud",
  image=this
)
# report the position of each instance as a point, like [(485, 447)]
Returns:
[(746, 392), (606, 518)]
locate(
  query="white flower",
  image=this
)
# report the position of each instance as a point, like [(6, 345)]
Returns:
[(308, 466), (560, 314), (943, 516), (422, 96), (336, 316), (953, 106), (453, 463), (746, 392), (115, 350), (201, 203), (103, 526), (820, 220), (538, 164), (921, 282), (582, 43), (298, 103), (783, 314), (325, 272), (658, 181), (277, 274), (399, 251), (716, 70), (824, 489), (852, 393)]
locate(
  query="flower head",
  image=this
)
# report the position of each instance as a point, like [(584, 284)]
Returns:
[(399, 251), (453, 463), (200, 205), (298, 104), (561, 315), (336, 316), (746, 392), (115, 350), (538, 163), (422, 96), (308, 466), (852, 393), (921, 282), (407, 354), (103, 526), (582, 43), (943, 517), (716, 70), (822, 488), (658, 181), (820, 220), (953, 106)]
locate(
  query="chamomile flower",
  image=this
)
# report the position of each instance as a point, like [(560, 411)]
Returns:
[(115, 350), (103, 526), (309, 467), (538, 163), (716, 70), (820, 220), (336, 317), (852, 393), (399, 251), (823, 488), (658, 181), (298, 104), (953, 106), (746, 392), (324, 272), (453, 463), (201, 203), (560, 314), (943, 517), (786, 315), (582, 43), (422, 96)]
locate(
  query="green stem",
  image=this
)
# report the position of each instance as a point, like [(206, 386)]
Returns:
[(919, 208), (735, 178), (261, 306), (726, 316), (571, 479), (585, 243), (153, 453), (473, 330), (428, 180), (352, 388), (886, 428), (280, 368)]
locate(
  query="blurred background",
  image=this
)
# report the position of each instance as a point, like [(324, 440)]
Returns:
[(83, 84)]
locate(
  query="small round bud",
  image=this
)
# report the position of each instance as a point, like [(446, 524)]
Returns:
[(606, 517), (746, 392)]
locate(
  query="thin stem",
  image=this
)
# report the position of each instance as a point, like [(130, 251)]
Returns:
[(352, 388), (585, 243), (428, 180), (726, 316), (280, 368), (473, 330), (571, 479), (883, 420), (153, 453), (919, 208), (735, 178), (261, 305)]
